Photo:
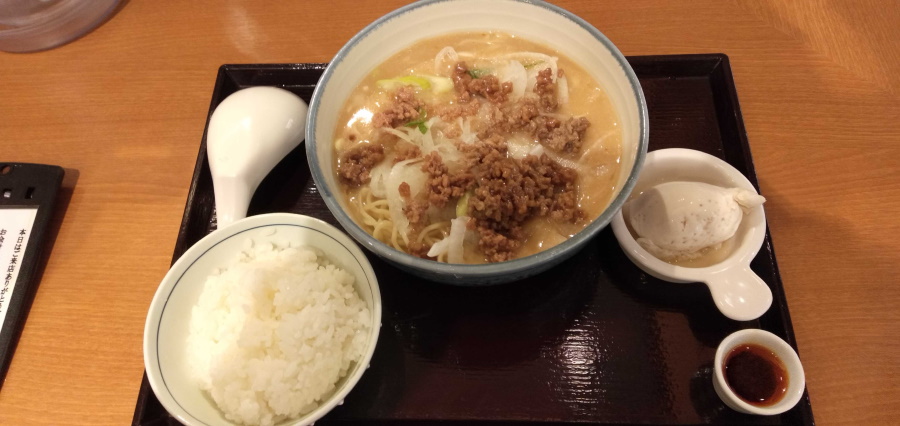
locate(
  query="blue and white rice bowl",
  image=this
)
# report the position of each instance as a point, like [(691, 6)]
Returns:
[(167, 331)]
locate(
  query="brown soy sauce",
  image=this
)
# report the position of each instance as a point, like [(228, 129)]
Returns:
[(756, 374)]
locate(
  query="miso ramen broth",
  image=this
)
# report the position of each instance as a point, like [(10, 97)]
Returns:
[(477, 147)]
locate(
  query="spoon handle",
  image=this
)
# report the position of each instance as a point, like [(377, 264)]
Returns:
[(232, 199), (739, 293)]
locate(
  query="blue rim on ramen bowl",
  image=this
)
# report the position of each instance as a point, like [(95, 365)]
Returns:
[(537, 21)]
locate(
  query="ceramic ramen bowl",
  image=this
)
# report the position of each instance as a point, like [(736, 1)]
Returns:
[(537, 21)]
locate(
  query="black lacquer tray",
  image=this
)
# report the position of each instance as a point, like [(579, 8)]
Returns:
[(592, 341)]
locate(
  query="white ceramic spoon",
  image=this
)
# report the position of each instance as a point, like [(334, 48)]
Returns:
[(249, 133)]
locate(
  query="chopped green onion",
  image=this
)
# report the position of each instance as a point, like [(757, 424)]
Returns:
[(420, 121), (462, 206), (417, 80), (478, 73), (532, 64), (424, 82)]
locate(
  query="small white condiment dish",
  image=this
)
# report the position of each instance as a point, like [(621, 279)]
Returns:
[(781, 349), (737, 291), (167, 327)]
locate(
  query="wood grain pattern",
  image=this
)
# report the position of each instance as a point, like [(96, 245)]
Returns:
[(125, 106)]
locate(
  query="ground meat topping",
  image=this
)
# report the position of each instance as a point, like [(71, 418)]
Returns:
[(487, 86), (442, 185), (354, 165), (545, 88), (510, 192), (504, 193), (557, 134), (560, 136), (461, 80), (485, 151), (558, 184), (434, 165), (452, 132), (404, 190), (521, 114), (453, 111), (405, 108), (406, 151), (415, 211), (496, 246)]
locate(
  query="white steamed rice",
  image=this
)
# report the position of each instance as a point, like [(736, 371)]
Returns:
[(274, 332)]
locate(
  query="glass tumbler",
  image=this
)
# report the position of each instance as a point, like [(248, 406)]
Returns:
[(31, 25)]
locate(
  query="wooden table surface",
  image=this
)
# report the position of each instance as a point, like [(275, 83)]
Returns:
[(818, 81)]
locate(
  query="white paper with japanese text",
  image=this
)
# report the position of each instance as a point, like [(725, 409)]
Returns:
[(16, 225)]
